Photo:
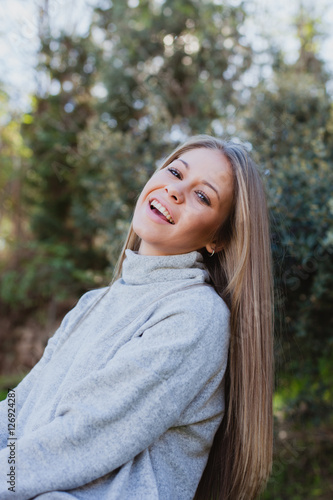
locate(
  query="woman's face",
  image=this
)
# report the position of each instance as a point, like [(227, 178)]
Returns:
[(195, 192)]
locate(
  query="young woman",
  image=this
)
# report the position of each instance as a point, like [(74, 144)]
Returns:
[(160, 385)]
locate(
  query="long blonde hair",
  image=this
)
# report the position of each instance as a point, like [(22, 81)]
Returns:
[(240, 459)]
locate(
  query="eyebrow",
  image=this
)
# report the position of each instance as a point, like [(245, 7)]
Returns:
[(203, 182)]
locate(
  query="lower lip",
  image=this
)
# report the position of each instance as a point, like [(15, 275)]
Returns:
[(153, 216)]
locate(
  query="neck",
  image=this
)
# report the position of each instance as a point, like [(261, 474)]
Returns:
[(153, 250), (144, 269)]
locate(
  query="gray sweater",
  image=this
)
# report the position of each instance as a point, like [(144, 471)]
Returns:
[(128, 395)]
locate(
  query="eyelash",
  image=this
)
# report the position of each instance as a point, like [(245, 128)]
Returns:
[(205, 198)]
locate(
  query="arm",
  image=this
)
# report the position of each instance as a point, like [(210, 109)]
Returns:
[(113, 414), (24, 387)]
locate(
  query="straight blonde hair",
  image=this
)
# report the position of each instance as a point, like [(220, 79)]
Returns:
[(240, 459)]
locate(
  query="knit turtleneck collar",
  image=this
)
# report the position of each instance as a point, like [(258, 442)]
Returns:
[(144, 269)]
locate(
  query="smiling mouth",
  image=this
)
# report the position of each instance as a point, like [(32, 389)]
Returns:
[(160, 211)]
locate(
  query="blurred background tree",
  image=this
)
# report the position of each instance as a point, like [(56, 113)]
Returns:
[(294, 140), (109, 107)]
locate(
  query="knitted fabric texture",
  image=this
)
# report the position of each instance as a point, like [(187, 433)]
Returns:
[(128, 395)]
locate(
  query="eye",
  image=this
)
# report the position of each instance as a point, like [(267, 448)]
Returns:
[(201, 195), (175, 172)]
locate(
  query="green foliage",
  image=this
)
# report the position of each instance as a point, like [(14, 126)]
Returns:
[(63, 259), (14, 154), (290, 123), (52, 185), (302, 466), (184, 57), (41, 273)]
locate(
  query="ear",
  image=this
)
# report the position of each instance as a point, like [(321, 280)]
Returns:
[(212, 246)]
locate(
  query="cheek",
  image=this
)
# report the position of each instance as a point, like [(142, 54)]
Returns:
[(143, 196), (149, 186), (211, 225), (142, 200)]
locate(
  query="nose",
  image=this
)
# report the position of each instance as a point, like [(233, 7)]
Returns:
[(174, 191)]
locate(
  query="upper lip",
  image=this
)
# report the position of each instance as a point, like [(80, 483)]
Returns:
[(165, 205)]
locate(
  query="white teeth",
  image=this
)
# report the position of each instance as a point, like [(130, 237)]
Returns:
[(162, 209)]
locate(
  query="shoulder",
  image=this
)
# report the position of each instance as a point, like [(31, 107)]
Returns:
[(90, 296), (85, 302), (201, 301), (207, 311), (196, 312)]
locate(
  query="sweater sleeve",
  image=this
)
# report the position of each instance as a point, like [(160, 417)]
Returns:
[(24, 387), (114, 413)]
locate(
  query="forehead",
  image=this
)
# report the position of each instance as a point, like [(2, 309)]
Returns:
[(210, 164)]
